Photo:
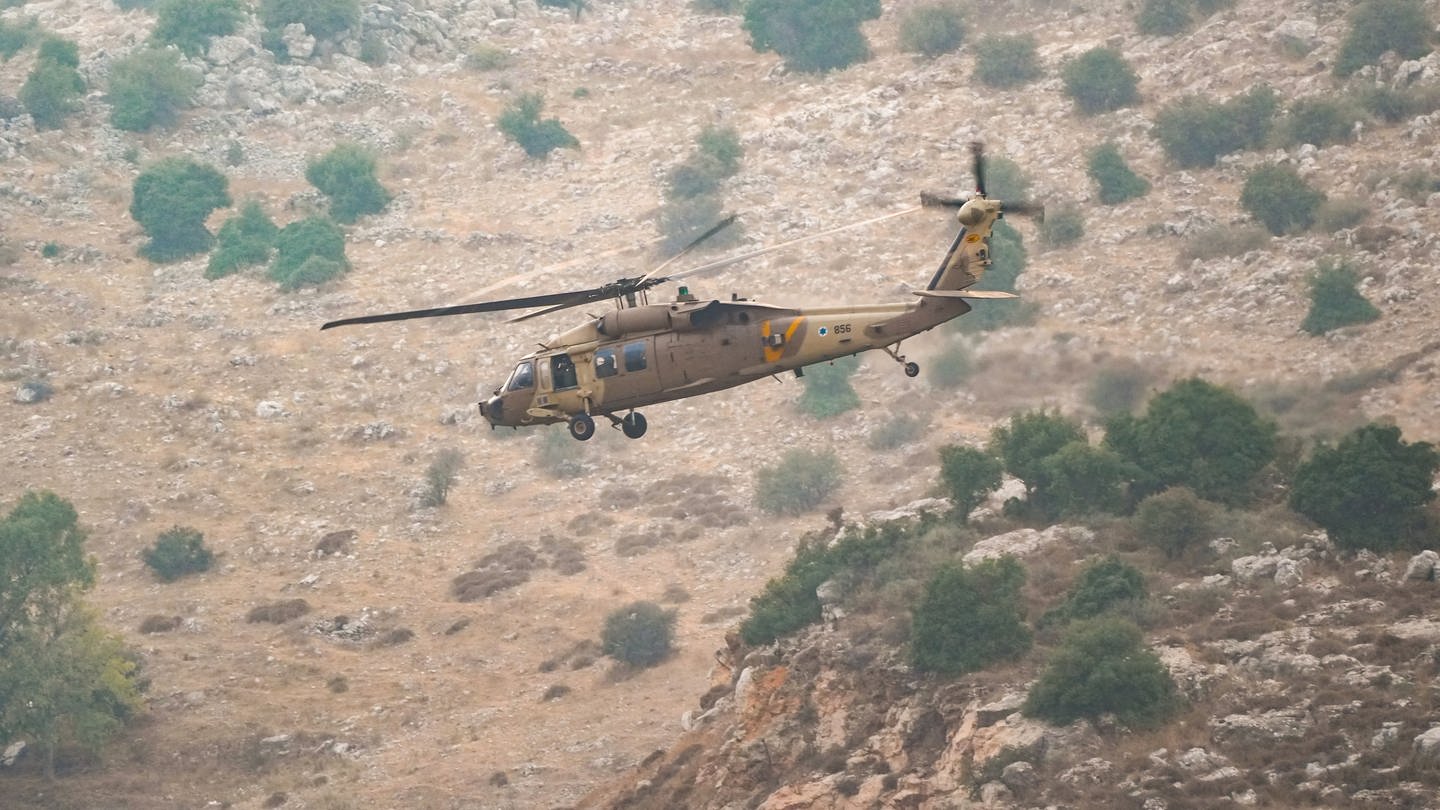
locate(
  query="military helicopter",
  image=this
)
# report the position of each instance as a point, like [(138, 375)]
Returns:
[(642, 353)]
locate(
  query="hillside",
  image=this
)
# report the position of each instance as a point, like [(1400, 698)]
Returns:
[(218, 404)]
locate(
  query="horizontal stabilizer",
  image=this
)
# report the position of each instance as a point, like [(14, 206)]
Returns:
[(964, 294)]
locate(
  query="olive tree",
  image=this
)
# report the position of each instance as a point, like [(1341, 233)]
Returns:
[(171, 200)]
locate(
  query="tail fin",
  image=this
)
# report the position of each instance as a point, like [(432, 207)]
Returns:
[(969, 255)]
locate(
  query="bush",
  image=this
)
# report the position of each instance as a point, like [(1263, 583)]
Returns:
[(1280, 199), (1223, 241), (1005, 60), (244, 240), (59, 51), (696, 176), (1368, 491), (1028, 439), (346, 174), (16, 35), (950, 368), (1079, 480), (899, 431), (51, 92), (1195, 131), (1063, 226), (1107, 167), (1103, 666), (278, 612), (1377, 26), (828, 391), (1197, 435), (298, 243), (1102, 585), (1163, 17), (800, 482), (149, 88), (1339, 214), (171, 200), (640, 634), (323, 19), (932, 30), (1100, 80), (970, 618), (1117, 387), (1173, 521), (789, 602), (440, 476), (969, 475), (683, 220), (190, 24), (812, 37), (722, 145), (1393, 105), (177, 552), (1319, 121), (485, 57), (1335, 301), (521, 123)]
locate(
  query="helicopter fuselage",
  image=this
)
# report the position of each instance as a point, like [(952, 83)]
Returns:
[(652, 353)]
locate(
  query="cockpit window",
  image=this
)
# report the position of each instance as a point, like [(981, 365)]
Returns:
[(605, 363), (522, 377)]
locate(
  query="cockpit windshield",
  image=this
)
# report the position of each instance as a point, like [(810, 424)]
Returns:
[(522, 377)]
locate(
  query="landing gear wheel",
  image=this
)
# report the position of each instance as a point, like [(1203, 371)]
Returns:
[(582, 426), (912, 370), (633, 425)]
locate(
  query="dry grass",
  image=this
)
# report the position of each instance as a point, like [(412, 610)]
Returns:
[(278, 612), (160, 624), (473, 586)]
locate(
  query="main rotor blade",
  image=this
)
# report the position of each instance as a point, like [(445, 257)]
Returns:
[(461, 309), (714, 229), (716, 265)]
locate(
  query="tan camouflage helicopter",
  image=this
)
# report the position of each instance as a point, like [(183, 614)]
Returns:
[(643, 353)]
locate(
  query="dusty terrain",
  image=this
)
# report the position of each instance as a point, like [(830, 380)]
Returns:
[(219, 405)]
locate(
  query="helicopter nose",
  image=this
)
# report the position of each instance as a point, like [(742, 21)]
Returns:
[(492, 409)]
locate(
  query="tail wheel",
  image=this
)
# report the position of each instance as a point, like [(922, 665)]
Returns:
[(582, 426), (912, 370), (633, 425)]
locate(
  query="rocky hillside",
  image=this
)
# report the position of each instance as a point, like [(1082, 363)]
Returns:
[(171, 399)]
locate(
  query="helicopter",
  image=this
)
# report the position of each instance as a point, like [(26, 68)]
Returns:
[(641, 353)]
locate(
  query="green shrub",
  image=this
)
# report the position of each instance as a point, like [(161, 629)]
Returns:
[(970, 618), (900, 430), (717, 6), (1369, 490), (440, 476), (16, 35), (190, 24), (1100, 80), (52, 93), (722, 145), (1107, 167), (59, 51), (484, 57), (313, 238), (1334, 299), (1393, 105), (800, 482), (812, 37), (1062, 226), (323, 19), (1028, 439), (1163, 17), (1198, 435), (521, 123), (1173, 521), (1080, 480), (950, 368), (1319, 121), (1377, 26), (932, 30), (149, 88), (1195, 131), (346, 174), (1280, 199), (1103, 584), (696, 176), (50, 250), (828, 391), (789, 602), (171, 200), (1101, 667), (1117, 387), (683, 220), (640, 634), (1338, 214), (245, 239), (1007, 60), (177, 552), (969, 475)]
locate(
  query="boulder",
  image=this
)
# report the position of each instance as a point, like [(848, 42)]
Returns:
[(1422, 566), (12, 753), (1427, 745)]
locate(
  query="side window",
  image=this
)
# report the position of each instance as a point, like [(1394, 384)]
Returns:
[(635, 356), (522, 377), (605, 363)]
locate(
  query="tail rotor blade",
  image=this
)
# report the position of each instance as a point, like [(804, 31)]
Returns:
[(977, 162)]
